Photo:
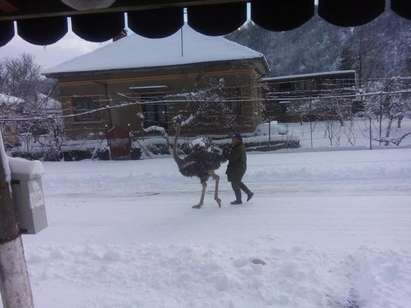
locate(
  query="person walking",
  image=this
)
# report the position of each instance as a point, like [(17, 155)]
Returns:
[(237, 166)]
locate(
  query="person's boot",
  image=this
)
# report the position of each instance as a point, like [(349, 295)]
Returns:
[(236, 202), (237, 198), (249, 193)]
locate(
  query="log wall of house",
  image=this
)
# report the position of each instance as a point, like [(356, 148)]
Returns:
[(96, 90)]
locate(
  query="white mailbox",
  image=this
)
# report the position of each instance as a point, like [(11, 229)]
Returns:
[(28, 194)]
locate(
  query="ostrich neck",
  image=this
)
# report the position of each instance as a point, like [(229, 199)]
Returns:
[(177, 159)]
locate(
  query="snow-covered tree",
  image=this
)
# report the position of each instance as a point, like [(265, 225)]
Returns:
[(208, 105), (390, 107), (30, 108)]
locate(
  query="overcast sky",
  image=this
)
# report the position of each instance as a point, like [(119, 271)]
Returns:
[(68, 47), (47, 56)]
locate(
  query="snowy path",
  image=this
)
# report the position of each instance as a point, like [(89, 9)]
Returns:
[(332, 228)]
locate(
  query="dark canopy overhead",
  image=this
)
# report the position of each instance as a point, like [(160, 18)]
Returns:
[(97, 27), (402, 8), (281, 15), (42, 31), (157, 23), (45, 22), (217, 19), (341, 12)]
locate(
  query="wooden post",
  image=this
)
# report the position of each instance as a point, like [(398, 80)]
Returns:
[(311, 125), (380, 124), (14, 279), (370, 119), (269, 134)]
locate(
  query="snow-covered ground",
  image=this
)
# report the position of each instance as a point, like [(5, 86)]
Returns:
[(330, 134), (328, 229)]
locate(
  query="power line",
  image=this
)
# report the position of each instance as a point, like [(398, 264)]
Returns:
[(171, 102)]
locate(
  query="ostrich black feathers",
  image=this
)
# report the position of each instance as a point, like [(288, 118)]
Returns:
[(201, 161)]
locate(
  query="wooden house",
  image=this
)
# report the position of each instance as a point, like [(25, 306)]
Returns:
[(289, 98), (161, 78)]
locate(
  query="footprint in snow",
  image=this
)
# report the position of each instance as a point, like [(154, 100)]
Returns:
[(258, 261)]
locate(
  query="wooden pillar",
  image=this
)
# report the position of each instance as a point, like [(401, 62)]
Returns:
[(14, 280)]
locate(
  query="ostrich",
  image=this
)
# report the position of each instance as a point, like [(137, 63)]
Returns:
[(200, 163)]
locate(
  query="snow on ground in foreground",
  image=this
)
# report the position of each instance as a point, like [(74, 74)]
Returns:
[(327, 229)]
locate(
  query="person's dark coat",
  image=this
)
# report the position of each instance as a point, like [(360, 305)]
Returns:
[(237, 163)]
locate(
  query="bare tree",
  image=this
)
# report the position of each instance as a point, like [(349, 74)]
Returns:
[(34, 113), (390, 107), (209, 105), (20, 77)]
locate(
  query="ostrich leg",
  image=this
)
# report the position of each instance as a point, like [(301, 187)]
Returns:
[(217, 181), (198, 206)]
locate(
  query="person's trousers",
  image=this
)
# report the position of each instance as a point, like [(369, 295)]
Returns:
[(238, 187)]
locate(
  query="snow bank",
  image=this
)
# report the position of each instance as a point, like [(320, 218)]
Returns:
[(156, 129), (353, 134), (264, 129), (9, 100), (22, 167), (175, 276), (255, 139)]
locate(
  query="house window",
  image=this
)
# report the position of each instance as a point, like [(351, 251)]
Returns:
[(85, 104), (155, 112), (347, 81), (286, 86), (233, 96), (304, 84)]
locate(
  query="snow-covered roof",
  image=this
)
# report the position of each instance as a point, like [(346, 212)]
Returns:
[(9, 100), (135, 51), (309, 75)]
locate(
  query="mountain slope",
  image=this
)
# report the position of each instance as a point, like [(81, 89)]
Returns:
[(384, 46)]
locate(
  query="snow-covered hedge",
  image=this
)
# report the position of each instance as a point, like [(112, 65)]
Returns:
[(158, 146)]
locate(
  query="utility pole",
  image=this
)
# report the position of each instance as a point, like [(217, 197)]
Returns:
[(15, 286)]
